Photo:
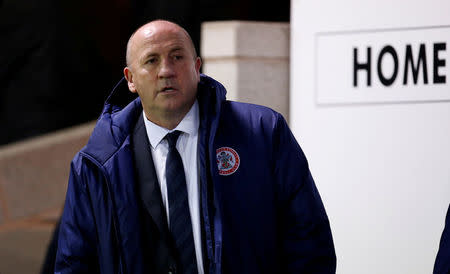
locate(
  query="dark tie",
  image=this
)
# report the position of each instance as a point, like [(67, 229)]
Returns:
[(180, 218)]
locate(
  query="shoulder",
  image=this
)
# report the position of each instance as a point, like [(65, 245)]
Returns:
[(254, 125), (250, 114), (247, 108), (112, 130)]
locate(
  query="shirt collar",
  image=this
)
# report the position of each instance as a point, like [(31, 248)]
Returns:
[(189, 125)]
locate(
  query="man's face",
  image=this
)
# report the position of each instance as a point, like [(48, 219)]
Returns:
[(163, 70)]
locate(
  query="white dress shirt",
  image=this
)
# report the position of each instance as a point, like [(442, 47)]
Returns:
[(187, 147)]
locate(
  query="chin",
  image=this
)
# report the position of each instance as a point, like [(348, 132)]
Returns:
[(175, 108)]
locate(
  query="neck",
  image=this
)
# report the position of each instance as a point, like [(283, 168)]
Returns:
[(169, 120)]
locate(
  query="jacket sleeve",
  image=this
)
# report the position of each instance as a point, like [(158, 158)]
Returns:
[(306, 240), (77, 236), (442, 263)]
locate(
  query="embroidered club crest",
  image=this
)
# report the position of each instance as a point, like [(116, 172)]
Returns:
[(227, 160)]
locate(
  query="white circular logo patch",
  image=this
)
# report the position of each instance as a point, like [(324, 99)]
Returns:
[(227, 160)]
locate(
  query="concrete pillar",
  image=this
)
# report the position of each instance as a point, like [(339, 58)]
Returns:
[(251, 59)]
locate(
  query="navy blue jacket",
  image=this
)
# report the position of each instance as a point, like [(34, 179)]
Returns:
[(442, 263), (264, 216)]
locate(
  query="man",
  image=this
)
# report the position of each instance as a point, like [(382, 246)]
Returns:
[(181, 180)]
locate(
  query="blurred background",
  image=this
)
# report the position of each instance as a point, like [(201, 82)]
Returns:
[(60, 59)]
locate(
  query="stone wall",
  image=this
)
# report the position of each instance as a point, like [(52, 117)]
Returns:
[(33, 182), (251, 59)]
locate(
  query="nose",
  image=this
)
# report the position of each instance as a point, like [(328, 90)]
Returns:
[(167, 69)]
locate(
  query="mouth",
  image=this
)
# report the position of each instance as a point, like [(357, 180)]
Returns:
[(168, 89)]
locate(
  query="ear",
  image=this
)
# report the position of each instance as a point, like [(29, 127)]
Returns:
[(129, 76), (198, 64)]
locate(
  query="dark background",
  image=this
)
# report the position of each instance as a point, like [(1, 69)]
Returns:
[(61, 58)]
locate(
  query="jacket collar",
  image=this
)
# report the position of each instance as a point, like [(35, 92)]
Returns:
[(122, 109)]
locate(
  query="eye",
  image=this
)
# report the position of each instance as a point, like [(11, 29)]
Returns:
[(152, 60), (178, 57)]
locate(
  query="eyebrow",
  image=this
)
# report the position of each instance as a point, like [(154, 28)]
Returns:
[(151, 54), (176, 49)]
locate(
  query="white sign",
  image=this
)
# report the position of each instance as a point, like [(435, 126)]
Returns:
[(383, 66)]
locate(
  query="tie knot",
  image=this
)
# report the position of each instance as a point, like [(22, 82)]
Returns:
[(172, 138)]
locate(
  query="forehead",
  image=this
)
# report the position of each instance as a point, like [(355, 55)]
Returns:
[(160, 38)]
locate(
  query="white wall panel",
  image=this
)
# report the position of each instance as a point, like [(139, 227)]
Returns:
[(380, 155)]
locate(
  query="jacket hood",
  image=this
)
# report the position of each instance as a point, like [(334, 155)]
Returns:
[(122, 108)]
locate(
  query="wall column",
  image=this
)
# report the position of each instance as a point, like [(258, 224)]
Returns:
[(251, 59)]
